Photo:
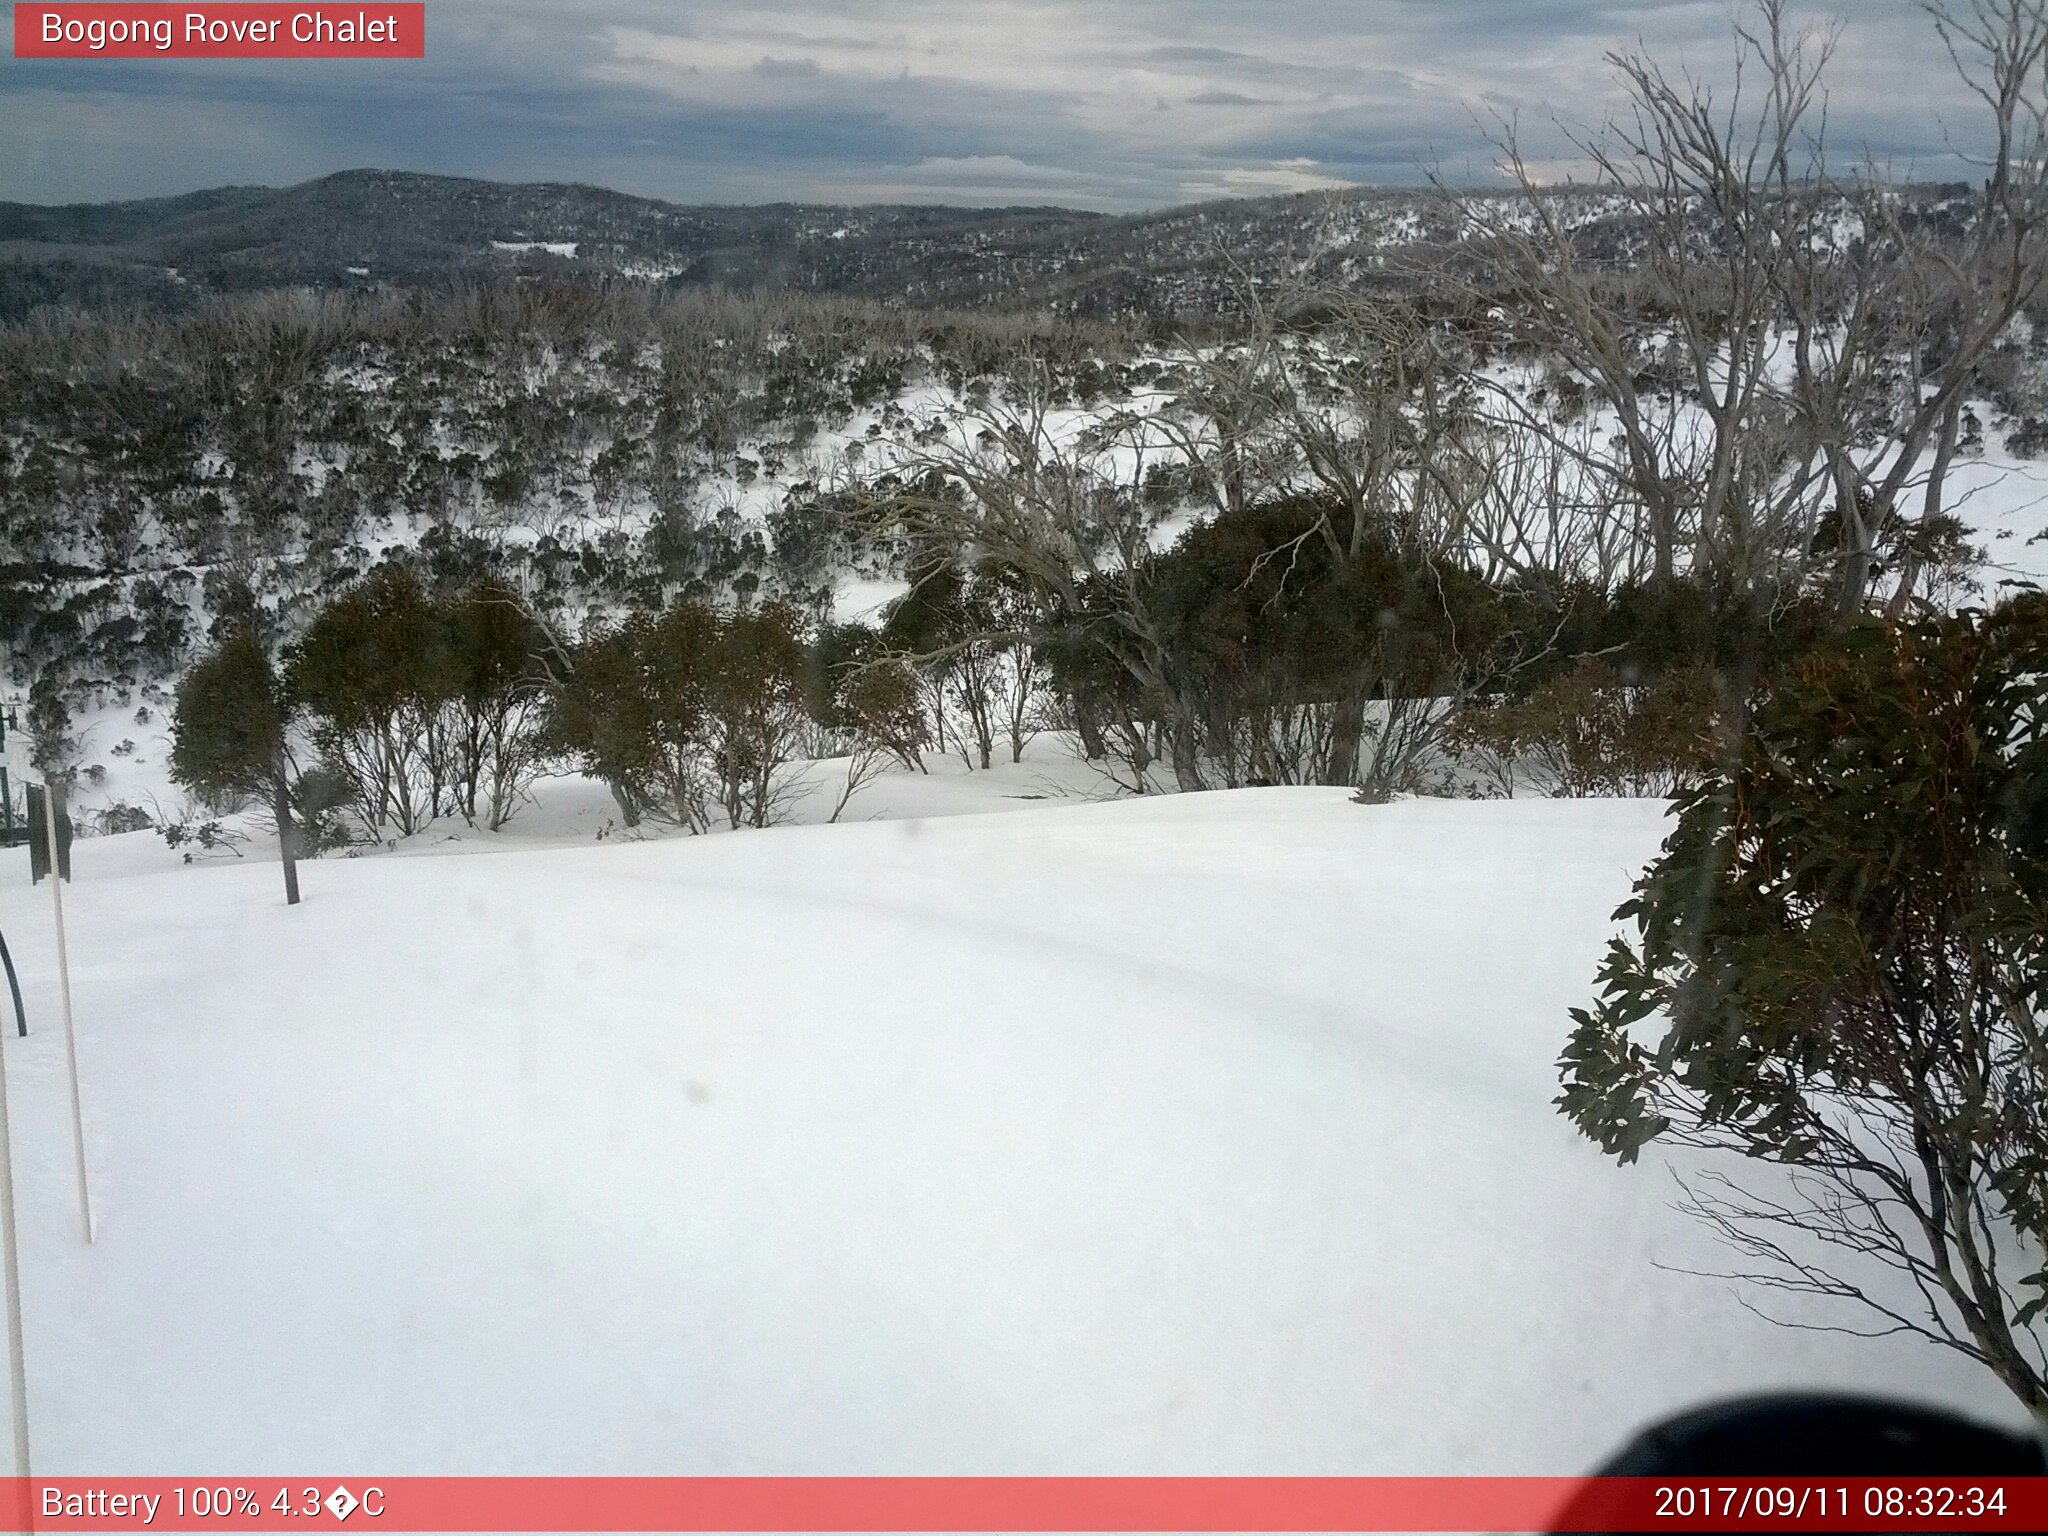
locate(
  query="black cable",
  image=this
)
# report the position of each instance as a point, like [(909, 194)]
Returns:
[(14, 986)]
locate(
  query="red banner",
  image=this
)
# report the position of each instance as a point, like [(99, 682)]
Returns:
[(975, 1504), (261, 31)]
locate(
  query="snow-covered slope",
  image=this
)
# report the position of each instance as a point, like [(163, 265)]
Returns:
[(1202, 1134)]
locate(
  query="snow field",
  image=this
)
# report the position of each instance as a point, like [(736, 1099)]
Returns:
[(1204, 1134)]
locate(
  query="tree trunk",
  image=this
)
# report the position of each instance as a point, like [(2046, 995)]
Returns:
[(1089, 729), (1931, 508), (1346, 731), (287, 833), (629, 812), (1187, 766), (1859, 526)]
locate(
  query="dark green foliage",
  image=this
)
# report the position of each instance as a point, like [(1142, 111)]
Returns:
[(164, 625), (687, 710), (373, 656), (320, 802), (48, 723), (1644, 629), (1278, 646), (1087, 665), (230, 739), (1282, 635), (371, 676), (811, 539), (1590, 732), (982, 676), (229, 722), (1631, 685), (756, 696), (1269, 604), (836, 652), (1841, 959), (858, 686), (880, 703), (491, 679), (426, 704), (631, 711)]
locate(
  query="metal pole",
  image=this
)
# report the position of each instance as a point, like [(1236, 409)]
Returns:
[(6, 790), (10, 1260), (10, 1250), (14, 986), (64, 992)]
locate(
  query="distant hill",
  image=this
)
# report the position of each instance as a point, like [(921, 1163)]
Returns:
[(395, 228)]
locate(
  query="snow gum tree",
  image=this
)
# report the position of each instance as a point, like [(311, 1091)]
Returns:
[(229, 736), (52, 743), (688, 710), (1839, 967), (631, 710), (1783, 352), (371, 676), (980, 688), (492, 707), (865, 696), (425, 703), (756, 715)]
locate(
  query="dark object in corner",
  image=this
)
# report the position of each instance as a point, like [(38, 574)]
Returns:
[(1818, 1435), (1814, 1435)]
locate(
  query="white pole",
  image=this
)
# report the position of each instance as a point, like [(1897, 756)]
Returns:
[(10, 1260), (64, 992)]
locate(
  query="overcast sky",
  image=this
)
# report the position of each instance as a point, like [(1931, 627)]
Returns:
[(1111, 104)]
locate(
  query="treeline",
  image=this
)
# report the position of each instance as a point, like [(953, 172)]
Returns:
[(401, 704), (405, 700)]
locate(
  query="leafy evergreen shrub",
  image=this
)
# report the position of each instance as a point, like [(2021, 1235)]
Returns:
[(1840, 965), (1590, 732), (687, 711), (230, 740)]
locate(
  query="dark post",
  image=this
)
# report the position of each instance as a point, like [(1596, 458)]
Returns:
[(287, 834), (38, 844), (7, 834), (39, 850)]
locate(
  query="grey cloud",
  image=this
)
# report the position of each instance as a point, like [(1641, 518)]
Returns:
[(1190, 55), (927, 99)]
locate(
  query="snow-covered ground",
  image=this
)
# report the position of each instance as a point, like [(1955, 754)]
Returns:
[(2002, 498), (1198, 1134)]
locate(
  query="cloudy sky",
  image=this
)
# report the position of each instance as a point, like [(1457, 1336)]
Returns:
[(1111, 104)]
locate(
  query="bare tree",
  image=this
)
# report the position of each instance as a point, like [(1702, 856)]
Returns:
[(1673, 332), (1008, 481), (1782, 354), (868, 761), (1890, 336)]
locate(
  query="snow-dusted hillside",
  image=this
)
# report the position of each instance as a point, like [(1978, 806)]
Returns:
[(754, 514), (359, 230), (1205, 1134)]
